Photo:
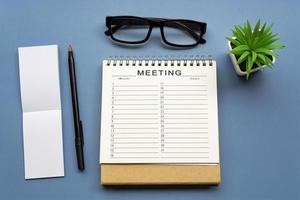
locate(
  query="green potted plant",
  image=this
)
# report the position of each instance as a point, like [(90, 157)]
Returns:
[(250, 49)]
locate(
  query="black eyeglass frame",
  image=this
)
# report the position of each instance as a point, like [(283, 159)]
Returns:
[(157, 22)]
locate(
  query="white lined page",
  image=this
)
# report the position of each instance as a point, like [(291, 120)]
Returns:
[(159, 117)]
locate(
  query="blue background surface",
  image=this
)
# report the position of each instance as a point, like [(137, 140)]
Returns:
[(259, 118)]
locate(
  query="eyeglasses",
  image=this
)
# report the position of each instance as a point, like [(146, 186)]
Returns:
[(137, 30)]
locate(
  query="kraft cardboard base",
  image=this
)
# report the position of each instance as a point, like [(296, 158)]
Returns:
[(158, 174)]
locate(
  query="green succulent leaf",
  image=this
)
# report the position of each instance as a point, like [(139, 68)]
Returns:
[(240, 35), (249, 66), (254, 56), (263, 28), (275, 46), (233, 41), (249, 32), (268, 40), (239, 49), (256, 29), (262, 58), (266, 51), (268, 29), (257, 62), (268, 61), (243, 57)]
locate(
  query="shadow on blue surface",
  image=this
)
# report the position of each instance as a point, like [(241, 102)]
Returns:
[(161, 187)]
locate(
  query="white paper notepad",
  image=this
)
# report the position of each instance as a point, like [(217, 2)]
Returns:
[(41, 105), (159, 112)]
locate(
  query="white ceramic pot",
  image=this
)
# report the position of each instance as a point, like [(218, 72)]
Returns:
[(237, 67)]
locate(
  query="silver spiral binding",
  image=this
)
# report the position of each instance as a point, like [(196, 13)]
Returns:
[(161, 61)]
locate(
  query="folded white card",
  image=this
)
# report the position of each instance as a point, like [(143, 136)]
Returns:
[(41, 105)]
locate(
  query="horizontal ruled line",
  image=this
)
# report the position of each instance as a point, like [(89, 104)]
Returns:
[(200, 90), (185, 147), (135, 108), (185, 128), (185, 85), (136, 133), (187, 142), (123, 75), (128, 104), (135, 138), (185, 152), (115, 123), (136, 147), (135, 142), (130, 95), (184, 95), (185, 108), (185, 104), (129, 118), (135, 85), (136, 152), (135, 100), (187, 123), (135, 113), (135, 128), (128, 157), (185, 118), (204, 157), (186, 137), (185, 132), (205, 113), (135, 90), (185, 99), (203, 76)]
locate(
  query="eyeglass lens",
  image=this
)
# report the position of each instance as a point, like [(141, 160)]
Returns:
[(181, 33), (129, 29)]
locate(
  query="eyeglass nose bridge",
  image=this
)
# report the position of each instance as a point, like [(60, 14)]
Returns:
[(156, 23)]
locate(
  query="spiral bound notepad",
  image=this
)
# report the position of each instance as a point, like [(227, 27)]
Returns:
[(159, 112)]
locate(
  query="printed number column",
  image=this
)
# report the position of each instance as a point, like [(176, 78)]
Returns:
[(112, 123), (162, 120)]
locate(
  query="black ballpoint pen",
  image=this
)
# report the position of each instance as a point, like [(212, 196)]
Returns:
[(77, 122)]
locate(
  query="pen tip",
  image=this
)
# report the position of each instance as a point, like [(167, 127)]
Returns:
[(70, 48)]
